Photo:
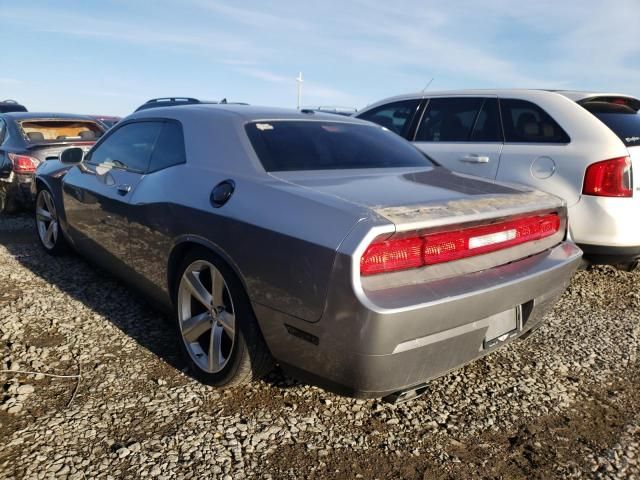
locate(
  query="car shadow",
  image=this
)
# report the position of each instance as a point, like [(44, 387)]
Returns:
[(104, 295)]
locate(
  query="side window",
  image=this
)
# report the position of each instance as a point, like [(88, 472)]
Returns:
[(487, 127), (3, 131), (128, 147), (169, 149), (449, 119), (395, 116), (525, 122)]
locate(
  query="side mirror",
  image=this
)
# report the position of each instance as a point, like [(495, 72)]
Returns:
[(72, 156)]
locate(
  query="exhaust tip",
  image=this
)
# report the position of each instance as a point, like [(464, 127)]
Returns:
[(406, 395)]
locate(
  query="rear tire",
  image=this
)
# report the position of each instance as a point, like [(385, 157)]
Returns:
[(629, 267), (218, 332), (7, 204), (47, 224)]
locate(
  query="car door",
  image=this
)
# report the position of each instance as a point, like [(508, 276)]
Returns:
[(462, 133), (96, 193), (152, 211), (536, 151)]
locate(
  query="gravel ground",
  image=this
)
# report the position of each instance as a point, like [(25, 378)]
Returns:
[(564, 403)]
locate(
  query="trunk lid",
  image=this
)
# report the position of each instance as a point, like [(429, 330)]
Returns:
[(51, 150), (432, 197), (431, 202)]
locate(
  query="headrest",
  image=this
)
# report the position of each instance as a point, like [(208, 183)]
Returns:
[(35, 136)]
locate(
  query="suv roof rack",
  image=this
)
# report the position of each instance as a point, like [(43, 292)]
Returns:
[(174, 101)]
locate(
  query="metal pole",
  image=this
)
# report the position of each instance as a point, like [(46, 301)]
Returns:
[(299, 81)]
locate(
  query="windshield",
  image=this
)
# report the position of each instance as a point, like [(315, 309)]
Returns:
[(36, 131), (320, 145)]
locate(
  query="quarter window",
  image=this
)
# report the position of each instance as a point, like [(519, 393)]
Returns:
[(128, 147), (169, 149), (449, 119), (525, 122), (395, 116)]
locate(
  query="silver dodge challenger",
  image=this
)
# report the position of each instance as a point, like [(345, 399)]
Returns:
[(325, 244)]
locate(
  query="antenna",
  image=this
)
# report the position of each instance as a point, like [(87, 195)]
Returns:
[(299, 81), (427, 85)]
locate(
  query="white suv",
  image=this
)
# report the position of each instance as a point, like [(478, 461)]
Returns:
[(583, 147)]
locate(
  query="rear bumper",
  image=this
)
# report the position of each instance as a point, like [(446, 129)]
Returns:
[(600, 255), (18, 189), (606, 222), (365, 352)]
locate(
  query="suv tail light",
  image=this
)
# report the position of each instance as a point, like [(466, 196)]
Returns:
[(23, 163), (610, 178), (430, 249)]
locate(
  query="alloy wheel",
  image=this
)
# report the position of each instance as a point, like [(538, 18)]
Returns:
[(206, 316), (47, 219)]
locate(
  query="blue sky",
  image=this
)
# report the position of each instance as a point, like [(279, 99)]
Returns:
[(109, 56)]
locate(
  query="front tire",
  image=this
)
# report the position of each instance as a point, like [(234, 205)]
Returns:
[(219, 335), (47, 224)]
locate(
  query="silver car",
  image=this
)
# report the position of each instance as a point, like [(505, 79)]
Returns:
[(581, 146), (325, 244)]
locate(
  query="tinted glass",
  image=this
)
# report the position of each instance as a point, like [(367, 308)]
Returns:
[(394, 116), (449, 120), (525, 122), (311, 145), (128, 147), (622, 119), (487, 127), (3, 130), (169, 149)]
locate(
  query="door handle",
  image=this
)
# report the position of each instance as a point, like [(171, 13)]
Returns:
[(123, 189), (475, 159)]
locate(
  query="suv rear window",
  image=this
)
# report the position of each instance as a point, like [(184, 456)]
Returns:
[(316, 145), (622, 119), (36, 131)]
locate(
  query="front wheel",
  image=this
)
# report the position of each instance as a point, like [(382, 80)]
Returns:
[(48, 225), (219, 334)]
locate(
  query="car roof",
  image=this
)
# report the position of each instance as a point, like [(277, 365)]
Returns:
[(574, 95), (247, 113), (44, 116)]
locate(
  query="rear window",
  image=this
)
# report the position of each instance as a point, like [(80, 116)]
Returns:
[(315, 145), (622, 119), (59, 130)]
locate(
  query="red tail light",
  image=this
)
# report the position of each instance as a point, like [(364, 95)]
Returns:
[(434, 248), (610, 178), (23, 163)]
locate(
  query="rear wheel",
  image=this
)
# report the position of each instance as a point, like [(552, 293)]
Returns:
[(7, 204), (629, 267), (47, 224), (219, 334)]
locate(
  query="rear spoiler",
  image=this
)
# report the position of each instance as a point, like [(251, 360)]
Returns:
[(622, 100)]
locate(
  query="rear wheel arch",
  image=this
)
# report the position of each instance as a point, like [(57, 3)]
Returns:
[(189, 243)]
